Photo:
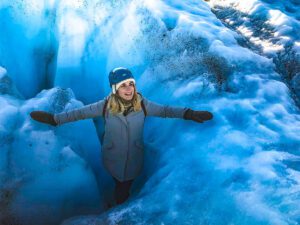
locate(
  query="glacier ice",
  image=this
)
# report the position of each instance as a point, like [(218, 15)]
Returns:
[(240, 168)]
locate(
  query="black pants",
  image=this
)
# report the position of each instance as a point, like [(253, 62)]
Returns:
[(122, 190)]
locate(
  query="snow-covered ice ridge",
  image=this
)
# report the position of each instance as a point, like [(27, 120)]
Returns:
[(271, 28), (240, 168)]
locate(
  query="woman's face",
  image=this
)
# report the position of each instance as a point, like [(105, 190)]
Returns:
[(126, 90)]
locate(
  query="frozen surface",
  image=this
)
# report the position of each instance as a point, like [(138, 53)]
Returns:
[(240, 168), (270, 28), (45, 176)]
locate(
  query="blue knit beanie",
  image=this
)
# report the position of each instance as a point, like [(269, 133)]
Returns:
[(118, 76)]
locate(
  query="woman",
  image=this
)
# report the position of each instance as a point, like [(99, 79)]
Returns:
[(124, 112)]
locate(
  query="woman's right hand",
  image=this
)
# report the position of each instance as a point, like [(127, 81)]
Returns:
[(43, 117)]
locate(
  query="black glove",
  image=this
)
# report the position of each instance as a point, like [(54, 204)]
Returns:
[(198, 116), (43, 117)]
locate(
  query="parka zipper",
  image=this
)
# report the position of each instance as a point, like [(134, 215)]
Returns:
[(127, 129)]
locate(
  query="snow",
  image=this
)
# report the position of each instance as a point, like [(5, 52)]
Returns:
[(271, 17), (43, 172), (242, 167)]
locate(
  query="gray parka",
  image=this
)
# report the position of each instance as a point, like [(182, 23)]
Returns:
[(123, 147)]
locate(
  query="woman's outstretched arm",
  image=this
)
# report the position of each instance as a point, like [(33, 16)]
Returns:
[(85, 112), (154, 109)]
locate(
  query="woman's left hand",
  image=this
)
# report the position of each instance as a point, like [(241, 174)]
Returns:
[(197, 116)]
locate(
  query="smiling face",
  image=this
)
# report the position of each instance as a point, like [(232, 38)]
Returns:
[(126, 90)]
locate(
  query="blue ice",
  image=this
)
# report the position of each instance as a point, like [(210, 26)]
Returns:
[(240, 168)]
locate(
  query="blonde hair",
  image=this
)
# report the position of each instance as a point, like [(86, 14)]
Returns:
[(115, 104)]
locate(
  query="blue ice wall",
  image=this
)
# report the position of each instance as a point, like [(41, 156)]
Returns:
[(240, 168)]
